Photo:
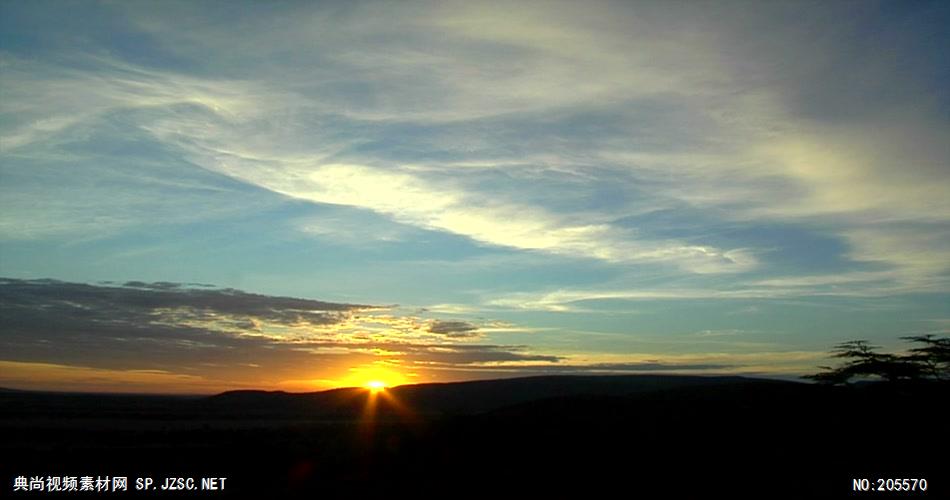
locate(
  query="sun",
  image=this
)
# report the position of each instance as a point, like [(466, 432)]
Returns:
[(375, 377), (375, 385)]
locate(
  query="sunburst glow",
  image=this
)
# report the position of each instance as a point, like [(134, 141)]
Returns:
[(375, 376), (376, 385)]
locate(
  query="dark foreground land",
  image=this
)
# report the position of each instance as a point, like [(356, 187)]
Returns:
[(540, 437)]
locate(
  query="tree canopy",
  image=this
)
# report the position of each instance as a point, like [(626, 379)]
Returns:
[(929, 360)]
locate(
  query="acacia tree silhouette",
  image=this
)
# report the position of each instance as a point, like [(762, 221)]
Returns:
[(933, 357), (929, 361)]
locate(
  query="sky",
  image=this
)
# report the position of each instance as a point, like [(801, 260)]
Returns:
[(202, 196)]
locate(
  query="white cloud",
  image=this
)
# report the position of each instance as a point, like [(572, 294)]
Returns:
[(565, 300), (446, 206), (703, 118)]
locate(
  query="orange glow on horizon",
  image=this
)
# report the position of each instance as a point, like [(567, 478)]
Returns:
[(375, 377), (376, 385)]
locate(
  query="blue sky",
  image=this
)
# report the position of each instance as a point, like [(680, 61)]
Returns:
[(720, 187)]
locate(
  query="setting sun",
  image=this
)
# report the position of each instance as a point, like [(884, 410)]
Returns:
[(376, 385), (373, 376), (327, 248)]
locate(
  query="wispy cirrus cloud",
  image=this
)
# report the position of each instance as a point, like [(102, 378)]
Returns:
[(263, 132), (509, 159), (351, 123), (355, 127)]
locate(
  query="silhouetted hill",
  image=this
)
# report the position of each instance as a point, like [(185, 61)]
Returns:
[(341, 403), (486, 395), (650, 436), (462, 398), (424, 400)]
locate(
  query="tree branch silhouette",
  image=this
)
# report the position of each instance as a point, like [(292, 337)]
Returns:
[(933, 356), (930, 361)]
